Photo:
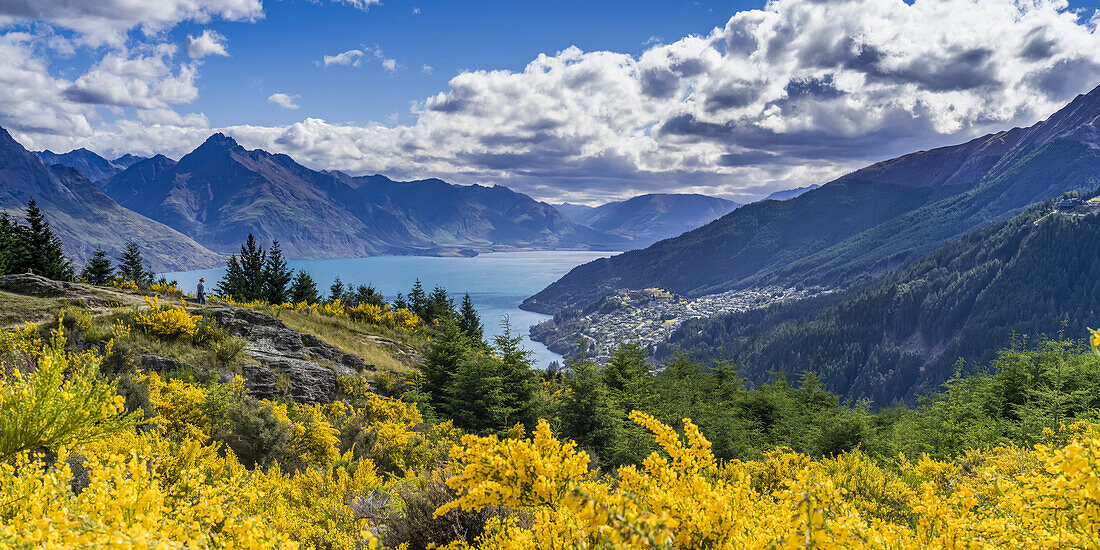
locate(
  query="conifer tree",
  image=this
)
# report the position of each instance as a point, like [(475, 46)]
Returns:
[(252, 262), (418, 301), (277, 276), (399, 302), (468, 319), (587, 415), (131, 266), (447, 350), (44, 247), (336, 291), (232, 283), (99, 270), (13, 253), (440, 306), (304, 289), (519, 382)]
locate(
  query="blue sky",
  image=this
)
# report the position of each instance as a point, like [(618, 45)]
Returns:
[(279, 54), (567, 100)]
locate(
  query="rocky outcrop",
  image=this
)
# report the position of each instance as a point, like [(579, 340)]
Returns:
[(37, 285), (309, 364), (160, 364)]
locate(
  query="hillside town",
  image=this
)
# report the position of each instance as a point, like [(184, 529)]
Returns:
[(648, 317)]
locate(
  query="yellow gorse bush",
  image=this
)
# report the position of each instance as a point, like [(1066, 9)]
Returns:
[(381, 316), (166, 321), (1011, 497)]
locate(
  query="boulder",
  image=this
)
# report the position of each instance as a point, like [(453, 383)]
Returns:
[(37, 285), (277, 349)]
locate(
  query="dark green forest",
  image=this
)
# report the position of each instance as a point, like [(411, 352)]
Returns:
[(890, 341)]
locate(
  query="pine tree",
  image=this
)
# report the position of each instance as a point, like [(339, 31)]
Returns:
[(440, 306), (336, 291), (304, 289), (587, 415), (519, 382), (232, 283), (131, 267), (446, 351), (418, 301), (399, 302), (468, 319), (98, 271), (12, 246), (277, 276), (252, 261), (46, 255)]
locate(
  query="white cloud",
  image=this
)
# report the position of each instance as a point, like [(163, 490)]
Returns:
[(139, 81), (390, 65), (794, 93), (358, 4), (283, 100), (106, 21), (427, 69), (208, 43), (350, 57)]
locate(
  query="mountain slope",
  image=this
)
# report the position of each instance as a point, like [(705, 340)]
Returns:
[(84, 217), (790, 193), (896, 338), (127, 160), (862, 225), (646, 219), (220, 192), (92, 166), (575, 212), (437, 213)]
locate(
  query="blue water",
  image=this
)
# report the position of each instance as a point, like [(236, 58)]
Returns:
[(497, 282)]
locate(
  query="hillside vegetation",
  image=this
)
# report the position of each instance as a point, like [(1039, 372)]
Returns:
[(100, 450), (890, 341)]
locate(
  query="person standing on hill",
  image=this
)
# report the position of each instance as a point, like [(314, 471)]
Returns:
[(201, 291)]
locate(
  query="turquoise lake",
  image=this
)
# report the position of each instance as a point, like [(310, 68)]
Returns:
[(497, 282)]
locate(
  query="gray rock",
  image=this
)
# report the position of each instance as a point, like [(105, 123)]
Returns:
[(278, 349), (36, 285), (160, 364)]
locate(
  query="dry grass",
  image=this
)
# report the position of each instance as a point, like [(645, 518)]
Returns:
[(350, 337), (18, 310)]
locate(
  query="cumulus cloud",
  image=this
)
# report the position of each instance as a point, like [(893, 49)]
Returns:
[(356, 57), (358, 4), (139, 81), (795, 93), (106, 21), (283, 100), (208, 43), (350, 57)]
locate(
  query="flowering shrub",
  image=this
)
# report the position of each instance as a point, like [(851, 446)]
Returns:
[(165, 321), (381, 316), (1045, 497)]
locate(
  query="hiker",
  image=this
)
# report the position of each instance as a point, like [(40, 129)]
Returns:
[(201, 292)]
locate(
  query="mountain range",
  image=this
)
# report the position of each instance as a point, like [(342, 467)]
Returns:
[(646, 219), (220, 192), (862, 226), (83, 216)]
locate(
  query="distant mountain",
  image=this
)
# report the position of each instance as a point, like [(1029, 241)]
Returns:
[(92, 166), (85, 217), (790, 193), (127, 160), (896, 338), (646, 219), (436, 213), (576, 212), (221, 192), (863, 225)]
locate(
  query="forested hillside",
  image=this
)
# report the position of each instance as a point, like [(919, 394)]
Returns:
[(862, 225), (892, 340)]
